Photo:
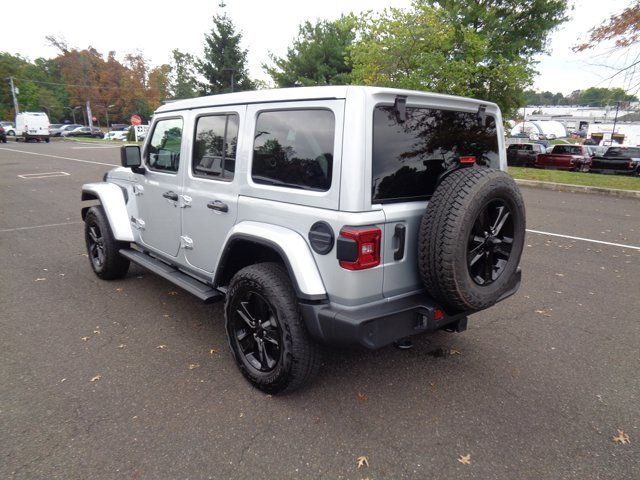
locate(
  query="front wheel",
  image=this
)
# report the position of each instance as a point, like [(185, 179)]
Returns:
[(266, 333), (103, 249)]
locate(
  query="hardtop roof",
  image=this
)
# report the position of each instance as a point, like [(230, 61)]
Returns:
[(297, 94)]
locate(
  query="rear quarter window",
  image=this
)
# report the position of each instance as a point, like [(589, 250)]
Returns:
[(408, 157), (294, 148)]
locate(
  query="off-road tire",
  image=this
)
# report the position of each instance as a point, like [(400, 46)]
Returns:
[(300, 356), (445, 235), (114, 265)]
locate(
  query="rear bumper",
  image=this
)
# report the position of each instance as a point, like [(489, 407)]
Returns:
[(381, 324), (614, 171)]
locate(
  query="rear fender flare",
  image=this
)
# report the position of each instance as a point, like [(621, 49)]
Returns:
[(291, 247)]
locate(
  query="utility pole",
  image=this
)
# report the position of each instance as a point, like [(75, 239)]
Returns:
[(615, 120), (89, 115), (13, 94)]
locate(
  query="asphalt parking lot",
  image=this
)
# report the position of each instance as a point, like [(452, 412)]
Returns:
[(535, 389)]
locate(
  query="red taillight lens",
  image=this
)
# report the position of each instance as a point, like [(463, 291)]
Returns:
[(359, 247), (467, 160), (438, 314)]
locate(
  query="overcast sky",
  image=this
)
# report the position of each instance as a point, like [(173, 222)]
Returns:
[(157, 27)]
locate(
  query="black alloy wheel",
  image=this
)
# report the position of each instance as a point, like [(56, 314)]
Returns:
[(257, 335), (96, 246), (490, 242)]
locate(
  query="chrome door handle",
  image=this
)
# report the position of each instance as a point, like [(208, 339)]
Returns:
[(218, 206)]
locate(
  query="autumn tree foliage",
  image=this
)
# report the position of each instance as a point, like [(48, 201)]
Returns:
[(623, 29)]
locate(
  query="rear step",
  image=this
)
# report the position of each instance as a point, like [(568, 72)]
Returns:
[(201, 290)]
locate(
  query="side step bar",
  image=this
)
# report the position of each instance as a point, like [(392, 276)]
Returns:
[(201, 290)]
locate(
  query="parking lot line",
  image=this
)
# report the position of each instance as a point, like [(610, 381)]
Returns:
[(583, 239), (38, 226), (58, 156)]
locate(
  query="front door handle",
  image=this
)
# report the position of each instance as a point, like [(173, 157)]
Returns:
[(170, 195), (218, 206)]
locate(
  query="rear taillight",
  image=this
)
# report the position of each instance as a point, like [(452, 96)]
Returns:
[(358, 248), (467, 160)]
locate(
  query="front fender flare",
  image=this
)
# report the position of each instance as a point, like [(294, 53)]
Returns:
[(293, 249), (112, 200)]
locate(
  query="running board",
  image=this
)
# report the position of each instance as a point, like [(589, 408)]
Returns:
[(201, 290)]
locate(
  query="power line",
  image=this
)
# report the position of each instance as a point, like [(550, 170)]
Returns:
[(67, 84)]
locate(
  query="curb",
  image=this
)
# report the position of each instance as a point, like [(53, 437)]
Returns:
[(566, 187)]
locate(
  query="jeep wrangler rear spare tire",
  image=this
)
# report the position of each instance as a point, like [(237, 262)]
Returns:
[(266, 333), (103, 249), (471, 238)]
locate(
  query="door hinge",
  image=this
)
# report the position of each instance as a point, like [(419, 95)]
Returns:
[(186, 243), (138, 189), (185, 201), (137, 223)]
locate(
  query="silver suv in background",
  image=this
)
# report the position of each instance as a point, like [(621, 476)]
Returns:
[(323, 215)]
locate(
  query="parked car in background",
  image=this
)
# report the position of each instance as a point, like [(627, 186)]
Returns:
[(32, 126), (56, 128), (88, 132), (524, 154), (567, 157), (118, 134), (9, 128), (3, 135), (67, 128), (618, 160)]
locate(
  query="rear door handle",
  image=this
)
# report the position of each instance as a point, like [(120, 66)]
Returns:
[(170, 195), (400, 233), (218, 206)]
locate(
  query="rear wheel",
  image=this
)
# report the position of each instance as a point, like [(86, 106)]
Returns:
[(471, 238), (103, 249), (266, 333)]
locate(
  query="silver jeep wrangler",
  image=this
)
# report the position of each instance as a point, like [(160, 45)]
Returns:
[(336, 215)]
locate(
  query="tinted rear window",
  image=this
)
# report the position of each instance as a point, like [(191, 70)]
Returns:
[(294, 148), (408, 157)]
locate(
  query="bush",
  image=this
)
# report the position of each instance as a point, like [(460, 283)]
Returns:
[(131, 135)]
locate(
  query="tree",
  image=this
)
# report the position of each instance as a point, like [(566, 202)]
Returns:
[(602, 97), (318, 56), (456, 47), (183, 81), (624, 30), (224, 59)]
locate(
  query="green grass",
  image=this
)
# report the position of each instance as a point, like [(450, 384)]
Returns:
[(576, 178)]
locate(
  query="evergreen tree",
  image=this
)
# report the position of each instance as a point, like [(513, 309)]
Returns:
[(184, 83), (224, 59)]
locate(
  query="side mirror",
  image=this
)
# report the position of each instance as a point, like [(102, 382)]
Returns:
[(130, 156)]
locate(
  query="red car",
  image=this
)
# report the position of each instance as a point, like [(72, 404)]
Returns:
[(575, 158)]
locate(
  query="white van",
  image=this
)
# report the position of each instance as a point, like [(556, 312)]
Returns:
[(32, 125)]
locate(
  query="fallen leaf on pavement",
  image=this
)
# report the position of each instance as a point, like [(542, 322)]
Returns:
[(96, 378), (122, 345), (118, 289), (161, 347), (363, 462), (194, 365), (543, 312), (97, 332), (453, 351), (40, 279), (212, 351), (172, 293), (560, 274), (622, 438), (465, 459), (84, 339), (166, 315), (362, 397)]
